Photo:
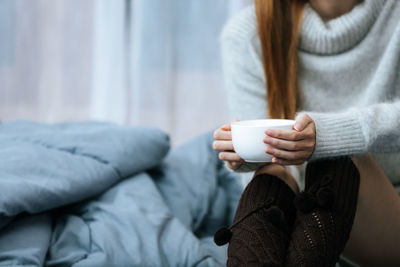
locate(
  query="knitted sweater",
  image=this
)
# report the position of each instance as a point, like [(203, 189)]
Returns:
[(349, 75)]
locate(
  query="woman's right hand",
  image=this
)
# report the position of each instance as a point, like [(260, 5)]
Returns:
[(223, 143)]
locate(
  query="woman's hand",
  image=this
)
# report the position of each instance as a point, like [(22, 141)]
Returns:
[(223, 143), (292, 147)]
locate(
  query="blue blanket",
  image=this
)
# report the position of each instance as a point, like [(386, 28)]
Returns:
[(98, 194)]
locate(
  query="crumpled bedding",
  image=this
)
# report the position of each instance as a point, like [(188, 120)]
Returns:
[(99, 194)]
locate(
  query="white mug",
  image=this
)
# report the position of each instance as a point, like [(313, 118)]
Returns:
[(248, 136)]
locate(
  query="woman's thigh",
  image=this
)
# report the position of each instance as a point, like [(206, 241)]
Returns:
[(375, 237)]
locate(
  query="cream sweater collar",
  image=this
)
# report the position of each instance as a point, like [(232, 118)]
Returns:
[(340, 34)]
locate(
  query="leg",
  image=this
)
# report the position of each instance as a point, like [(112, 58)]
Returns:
[(375, 237), (261, 228), (325, 213)]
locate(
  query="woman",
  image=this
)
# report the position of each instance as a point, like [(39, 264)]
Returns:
[(336, 64)]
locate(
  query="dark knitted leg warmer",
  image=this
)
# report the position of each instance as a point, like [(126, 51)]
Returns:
[(261, 228), (326, 211)]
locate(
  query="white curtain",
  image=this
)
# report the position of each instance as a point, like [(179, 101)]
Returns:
[(134, 62)]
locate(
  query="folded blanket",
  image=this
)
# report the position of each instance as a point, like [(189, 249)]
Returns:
[(47, 166), (97, 194)]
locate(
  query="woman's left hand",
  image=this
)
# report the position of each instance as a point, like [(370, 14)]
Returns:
[(292, 147)]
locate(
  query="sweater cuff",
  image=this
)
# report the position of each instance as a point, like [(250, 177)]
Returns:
[(338, 134)]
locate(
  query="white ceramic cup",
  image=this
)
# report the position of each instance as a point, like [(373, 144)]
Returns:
[(248, 136)]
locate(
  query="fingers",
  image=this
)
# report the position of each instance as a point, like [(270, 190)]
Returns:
[(291, 135), (227, 127), (287, 155), (302, 130), (229, 156), (288, 145), (221, 134), (223, 145), (233, 165), (292, 147), (224, 132), (302, 121)]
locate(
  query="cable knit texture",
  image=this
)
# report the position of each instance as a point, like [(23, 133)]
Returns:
[(262, 223), (326, 211), (349, 77)]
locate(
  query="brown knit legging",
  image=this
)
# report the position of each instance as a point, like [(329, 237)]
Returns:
[(274, 227)]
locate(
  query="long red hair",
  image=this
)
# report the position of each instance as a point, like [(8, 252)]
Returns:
[(278, 28)]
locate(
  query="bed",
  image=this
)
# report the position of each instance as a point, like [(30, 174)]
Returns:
[(100, 194)]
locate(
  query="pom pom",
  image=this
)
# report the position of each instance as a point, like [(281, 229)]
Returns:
[(305, 202), (325, 197), (275, 216), (222, 236)]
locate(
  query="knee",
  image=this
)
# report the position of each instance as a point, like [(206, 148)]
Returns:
[(273, 169), (280, 172)]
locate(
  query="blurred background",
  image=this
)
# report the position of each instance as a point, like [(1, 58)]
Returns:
[(133, 62)]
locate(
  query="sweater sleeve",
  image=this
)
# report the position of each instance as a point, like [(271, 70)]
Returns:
[(242, 68), (358, 130), (243, 72)]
